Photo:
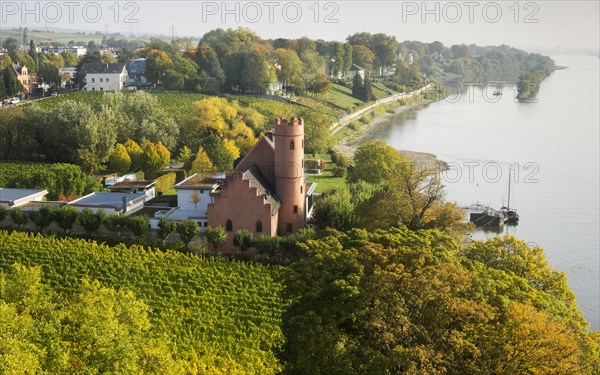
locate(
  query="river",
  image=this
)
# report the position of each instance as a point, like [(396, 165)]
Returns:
[(551, 146)]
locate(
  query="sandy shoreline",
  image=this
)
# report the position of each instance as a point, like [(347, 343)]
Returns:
[(349, 144)]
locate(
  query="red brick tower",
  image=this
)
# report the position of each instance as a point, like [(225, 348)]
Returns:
[(289, 173)]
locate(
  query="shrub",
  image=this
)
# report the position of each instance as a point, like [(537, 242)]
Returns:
[(116, 223), (266, 244), (342, 161), (379, 110), (338, 171), (243, 239), (89, 220), (3, 213), (19, 217), (165, 182), (166, 227), (41, 218), (188, 229), (366, 118), (216, 237), (65, 217), (354, 125), (138, 225)]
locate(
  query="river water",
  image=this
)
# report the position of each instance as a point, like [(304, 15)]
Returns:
[(551, 148)]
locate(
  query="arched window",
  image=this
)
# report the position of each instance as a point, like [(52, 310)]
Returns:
[(259, 226), (292, 144), (228, 226)]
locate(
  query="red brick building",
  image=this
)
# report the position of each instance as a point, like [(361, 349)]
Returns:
[(266, 193)]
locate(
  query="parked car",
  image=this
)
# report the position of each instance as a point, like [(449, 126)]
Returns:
[(54, 94), (13, 100)]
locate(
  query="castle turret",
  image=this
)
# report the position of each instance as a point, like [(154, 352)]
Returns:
[(289, 173)]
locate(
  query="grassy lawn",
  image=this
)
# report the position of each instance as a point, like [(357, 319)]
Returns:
[(326, 181), (342, 96)]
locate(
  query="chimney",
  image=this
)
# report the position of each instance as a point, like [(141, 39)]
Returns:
[(124, 200)]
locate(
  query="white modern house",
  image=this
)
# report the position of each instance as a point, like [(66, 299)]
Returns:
[(193, 198), (20, 197), (111, 203), (104, 77), (135, 186)]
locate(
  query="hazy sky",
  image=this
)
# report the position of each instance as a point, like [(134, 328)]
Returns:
[(525, 24)]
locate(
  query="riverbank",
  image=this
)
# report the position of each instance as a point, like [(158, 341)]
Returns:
[(349, 143)]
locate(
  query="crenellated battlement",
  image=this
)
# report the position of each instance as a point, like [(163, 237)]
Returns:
[(291, 121)]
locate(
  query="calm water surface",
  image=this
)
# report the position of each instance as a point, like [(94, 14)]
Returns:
[(551, 147)]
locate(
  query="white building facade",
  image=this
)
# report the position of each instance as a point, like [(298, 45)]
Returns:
[(104, 77)]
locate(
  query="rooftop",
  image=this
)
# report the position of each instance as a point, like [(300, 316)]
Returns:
[(90, 68), (133, 184), (11, 195), (199, 181), (107, 199)]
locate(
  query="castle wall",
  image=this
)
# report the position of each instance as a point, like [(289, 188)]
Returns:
[(238, 202)]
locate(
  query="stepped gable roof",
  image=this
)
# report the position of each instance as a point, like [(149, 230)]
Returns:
[(258, 181)]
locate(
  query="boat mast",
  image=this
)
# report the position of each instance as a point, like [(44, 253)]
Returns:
[(508, 203)]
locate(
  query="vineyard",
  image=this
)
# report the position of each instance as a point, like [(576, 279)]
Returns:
[(228, 313), (10, 170)]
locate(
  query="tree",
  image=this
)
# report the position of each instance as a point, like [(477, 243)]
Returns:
[(336, 210), (12, 86), (10, 44), (255, 74), (320, 84), (367, 91), (202, 163), (26, 36), (70, 59), (363, 57), (152, 160), (218, 153), (357, 87), (135, 153), (243, 239), (61, 180), (157, 65), (49, 72), (5, 61), (89, 220), (184, 154), (119, 160), (65, 217), (196, 198), (188, 229), (291, 67), (216, 237), (41, 218), (166, 227), (19, 217), (317, 136), (398, 301), (34, 55), (376, 162), (138, 225), (348, 55)]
